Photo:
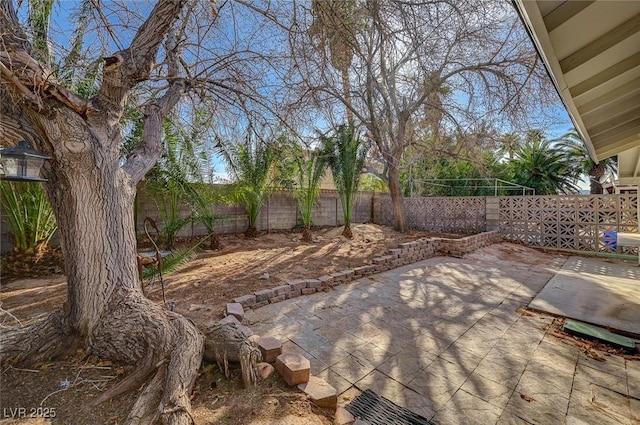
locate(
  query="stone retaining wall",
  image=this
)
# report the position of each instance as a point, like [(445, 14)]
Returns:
[(405, 253)]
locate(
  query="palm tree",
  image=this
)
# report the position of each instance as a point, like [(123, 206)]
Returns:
[(577, 151), (509, 144), (540, 164), (310, 167), (346, 154), (334, 27), (251, 163)]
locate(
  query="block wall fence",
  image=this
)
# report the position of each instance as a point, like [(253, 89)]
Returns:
[(278, 213), (578, 222)]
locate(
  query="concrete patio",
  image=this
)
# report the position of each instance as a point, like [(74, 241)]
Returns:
[(442, 337), (601, 292)]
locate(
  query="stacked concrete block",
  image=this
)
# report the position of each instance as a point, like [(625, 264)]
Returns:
[(263, 296), (311, 286), (247, 301), (295, 287), (327, 281), (343, 276), (365, 270), (383, 263), (281, 293)]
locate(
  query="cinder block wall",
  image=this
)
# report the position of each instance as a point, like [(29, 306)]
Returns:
[(279, 212)]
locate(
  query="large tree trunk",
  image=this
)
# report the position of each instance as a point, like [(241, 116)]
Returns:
[(397, 200), (92, 198)]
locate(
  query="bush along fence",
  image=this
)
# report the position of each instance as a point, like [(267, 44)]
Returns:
[(405, 253)]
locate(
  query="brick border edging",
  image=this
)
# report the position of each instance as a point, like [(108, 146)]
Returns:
[(406, 253)]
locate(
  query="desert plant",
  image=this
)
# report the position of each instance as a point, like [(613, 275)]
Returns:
[(346, 154), (251, 162), (202, 199), (29, 215), (310, 166)]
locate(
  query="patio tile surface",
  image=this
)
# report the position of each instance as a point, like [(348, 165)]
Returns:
[(442, 337)]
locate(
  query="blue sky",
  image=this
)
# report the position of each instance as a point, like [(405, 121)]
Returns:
[(64, 19)]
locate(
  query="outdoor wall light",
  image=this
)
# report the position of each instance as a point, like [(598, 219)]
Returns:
[(21, 163)]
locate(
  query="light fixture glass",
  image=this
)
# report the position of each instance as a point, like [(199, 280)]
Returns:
[(21, 163)]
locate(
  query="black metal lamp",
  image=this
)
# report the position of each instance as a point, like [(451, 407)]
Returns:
[(21, 163)]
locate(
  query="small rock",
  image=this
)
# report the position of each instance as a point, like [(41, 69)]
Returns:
[(253, 339), (265, 370), (264, 276)]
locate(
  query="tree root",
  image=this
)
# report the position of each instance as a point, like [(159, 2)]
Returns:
[(131, 330), (159, 340), (36, 342)]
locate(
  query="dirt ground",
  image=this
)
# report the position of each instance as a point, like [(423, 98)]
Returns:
[(65, 387)]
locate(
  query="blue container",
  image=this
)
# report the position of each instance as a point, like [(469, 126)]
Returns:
[(611, 240)]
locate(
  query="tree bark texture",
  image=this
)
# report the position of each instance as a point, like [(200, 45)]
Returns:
[(92, 196), (397, 200)]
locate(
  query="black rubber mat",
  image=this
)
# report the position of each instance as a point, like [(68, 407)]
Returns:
[(377, 410)]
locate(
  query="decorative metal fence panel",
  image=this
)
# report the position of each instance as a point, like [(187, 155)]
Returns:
[(438, 214), (580, 222)]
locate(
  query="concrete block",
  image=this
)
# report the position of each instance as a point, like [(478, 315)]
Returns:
[(395, 252), (261, 304), (320, 392), (264, 295), (313, 283), (246, 300), (270, 348), (293, 367), (297, 284), (282, 290), (236, 310), (296, 293), (277, 299), (325, 281), (308, 291)]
